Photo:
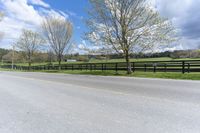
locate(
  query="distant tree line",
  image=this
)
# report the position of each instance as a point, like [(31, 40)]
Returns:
[(48, 57)]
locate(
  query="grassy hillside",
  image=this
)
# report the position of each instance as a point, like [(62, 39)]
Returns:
[(112, 60)]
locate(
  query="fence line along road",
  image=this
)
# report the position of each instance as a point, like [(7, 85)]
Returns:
[(184, 66)]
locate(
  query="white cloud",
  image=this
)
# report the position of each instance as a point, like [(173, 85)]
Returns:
[(22, 14), (173, 8), (83, 45), (39, 3), (20, 10), (185, 15), (64, 14), (73, 14)]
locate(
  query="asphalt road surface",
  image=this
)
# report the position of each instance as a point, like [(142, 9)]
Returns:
[(58, 103)]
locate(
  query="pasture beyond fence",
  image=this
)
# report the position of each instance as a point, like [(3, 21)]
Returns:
[(183, 66)]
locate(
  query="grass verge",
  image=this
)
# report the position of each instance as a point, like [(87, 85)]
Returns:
[(175, 75), (168, 75)]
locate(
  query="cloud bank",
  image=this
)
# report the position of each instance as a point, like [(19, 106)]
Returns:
[(28, 14), (23, 14), (185, 14)]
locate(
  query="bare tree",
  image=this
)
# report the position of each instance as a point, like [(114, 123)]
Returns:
[(29, 43), (51, 56), (9, 57), (59, 32), (127, 26)]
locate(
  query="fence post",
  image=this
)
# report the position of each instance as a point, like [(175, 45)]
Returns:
[(145, 67), (72, 67), (154, 67), (133, 66), (102, 66), (105, 67), (183, 67), (188, 67), (165, 67), (116, 67)]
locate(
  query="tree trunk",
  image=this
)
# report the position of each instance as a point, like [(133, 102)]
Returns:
[(29, 65), (29, 61), (128, 63), (59, 64)]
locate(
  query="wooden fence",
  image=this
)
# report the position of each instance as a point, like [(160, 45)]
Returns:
[(185, 66)]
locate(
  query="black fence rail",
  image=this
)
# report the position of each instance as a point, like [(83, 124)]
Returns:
[(185, 66)]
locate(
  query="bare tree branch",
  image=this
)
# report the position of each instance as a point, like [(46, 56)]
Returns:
[(58, 33), (127, 25), (29, 43)]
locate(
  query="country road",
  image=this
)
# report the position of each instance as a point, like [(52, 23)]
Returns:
[(58, 103)]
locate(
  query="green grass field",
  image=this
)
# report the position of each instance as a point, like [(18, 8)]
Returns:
[(112, 60), (168, 75)]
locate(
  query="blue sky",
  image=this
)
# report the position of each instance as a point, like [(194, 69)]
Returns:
[(28, 14), (76, 9)]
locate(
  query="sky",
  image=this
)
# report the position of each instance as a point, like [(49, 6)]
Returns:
[(28, 14)]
